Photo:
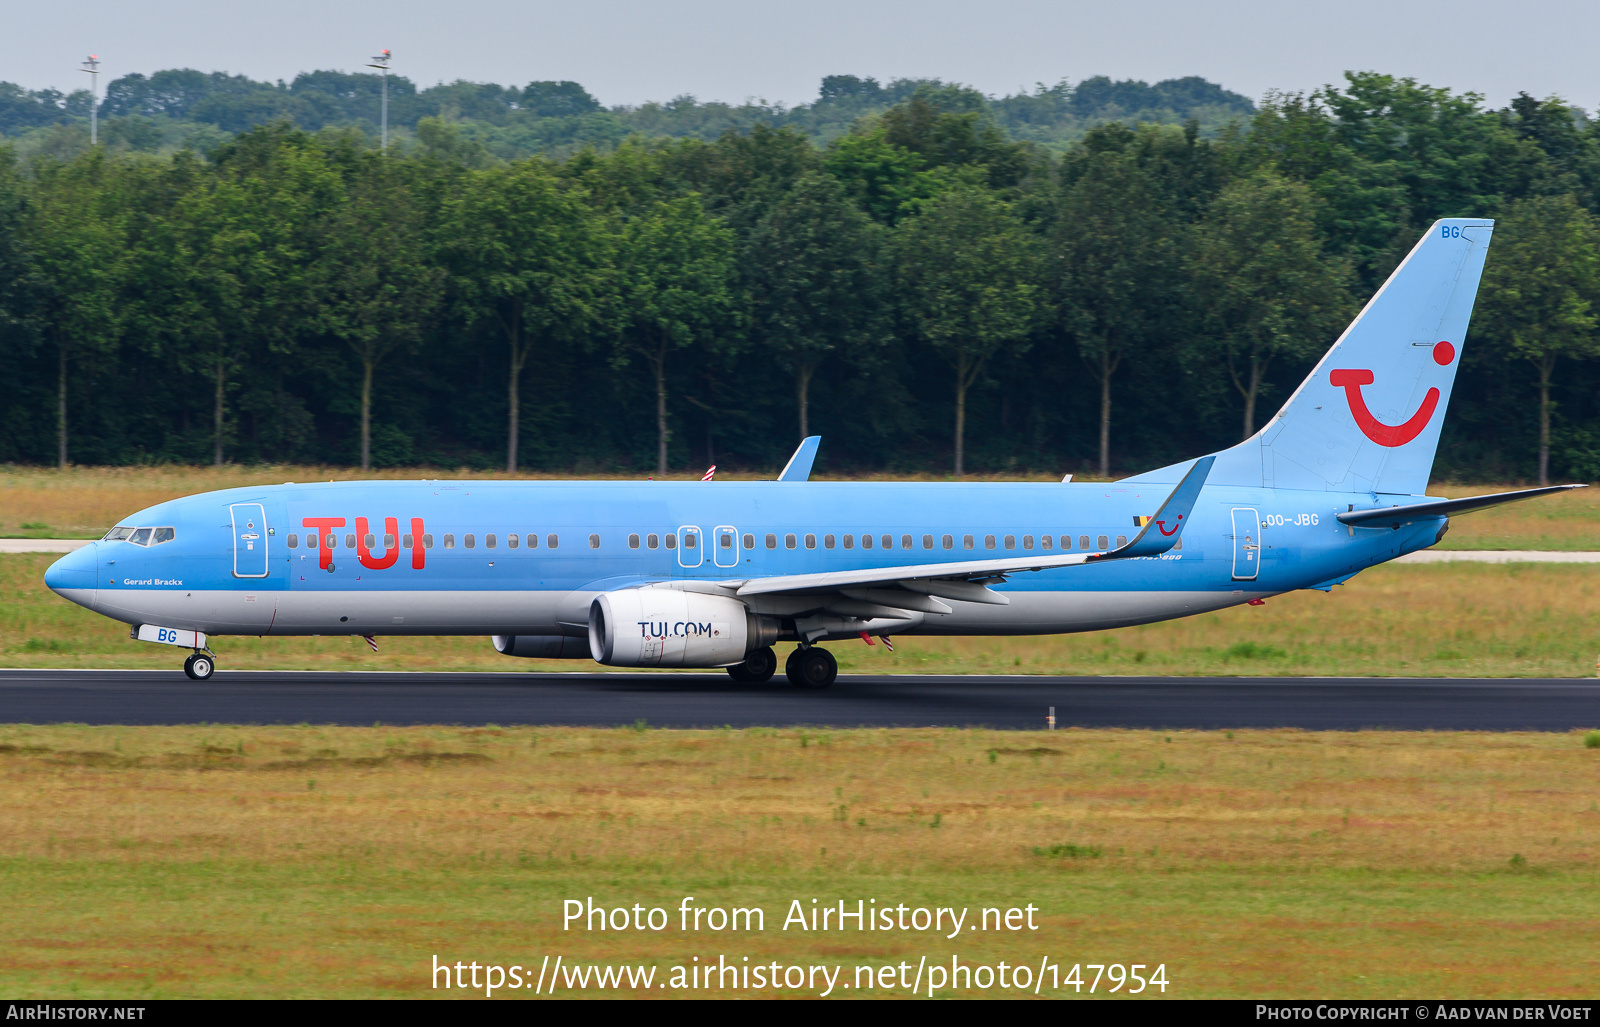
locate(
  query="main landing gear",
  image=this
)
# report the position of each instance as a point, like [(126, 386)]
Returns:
[(200, 666), (807, 667), (810, 667), (757, 668)]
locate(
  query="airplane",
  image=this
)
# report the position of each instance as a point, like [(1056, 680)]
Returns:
[(714, 573)]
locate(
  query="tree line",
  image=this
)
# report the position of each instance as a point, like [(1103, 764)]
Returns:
[(926, 291)]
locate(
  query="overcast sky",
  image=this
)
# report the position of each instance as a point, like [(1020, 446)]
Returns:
[(626, 51)]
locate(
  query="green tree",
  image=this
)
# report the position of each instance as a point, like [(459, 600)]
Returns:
[(1264, 286), (379, 288), (816, 279), (79, 253), (969, 278), (1539, 292), (677, 274), (527, 253), (1116, 268), (247, 242)]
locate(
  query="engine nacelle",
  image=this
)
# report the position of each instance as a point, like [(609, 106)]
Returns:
[(668, 627), (542, 647)]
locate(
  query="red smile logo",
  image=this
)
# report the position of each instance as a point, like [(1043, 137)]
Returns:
[(1390, 435)]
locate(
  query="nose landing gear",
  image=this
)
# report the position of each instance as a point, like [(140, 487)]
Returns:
[(200, 666), (810, 667)]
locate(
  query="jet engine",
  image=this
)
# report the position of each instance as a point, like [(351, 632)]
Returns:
[(668, 627), (541, 647)]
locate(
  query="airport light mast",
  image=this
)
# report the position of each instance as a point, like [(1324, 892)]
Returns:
[(92, 66), (381, 62)]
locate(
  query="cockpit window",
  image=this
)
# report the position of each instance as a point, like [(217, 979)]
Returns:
[(140, 536)]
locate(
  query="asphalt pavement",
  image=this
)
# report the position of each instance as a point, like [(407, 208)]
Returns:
[(713, 700)]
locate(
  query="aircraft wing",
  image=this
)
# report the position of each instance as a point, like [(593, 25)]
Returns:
[(965, 580), (1394, 516)]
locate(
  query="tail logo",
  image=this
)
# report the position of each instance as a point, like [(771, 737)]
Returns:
[(1391, 435)]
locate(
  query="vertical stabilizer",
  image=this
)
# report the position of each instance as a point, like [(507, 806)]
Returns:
[(1368, 417)]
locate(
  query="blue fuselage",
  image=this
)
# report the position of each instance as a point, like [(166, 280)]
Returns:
[(514, 558)]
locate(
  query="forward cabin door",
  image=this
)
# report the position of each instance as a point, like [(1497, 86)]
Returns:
[(249, 540), (1246, 544)]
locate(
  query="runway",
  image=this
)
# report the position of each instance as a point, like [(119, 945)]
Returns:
[(712, 700)]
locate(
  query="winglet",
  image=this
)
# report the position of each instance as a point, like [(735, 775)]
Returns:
[(799, 466), (1175, 512)]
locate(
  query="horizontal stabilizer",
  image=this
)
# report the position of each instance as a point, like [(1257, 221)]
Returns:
[(799, 466), (1394, 516)]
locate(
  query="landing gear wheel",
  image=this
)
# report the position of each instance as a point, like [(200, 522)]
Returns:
[(812, 668), (757, 668), (199, 667)]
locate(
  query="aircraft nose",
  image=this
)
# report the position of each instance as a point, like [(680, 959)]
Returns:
[(74, 575)]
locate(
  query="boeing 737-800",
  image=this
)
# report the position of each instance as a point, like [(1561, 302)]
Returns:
[(712, 574)]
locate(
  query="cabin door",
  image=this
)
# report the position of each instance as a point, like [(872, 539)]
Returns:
[(1246, 544), (725, 546), (249, 540)]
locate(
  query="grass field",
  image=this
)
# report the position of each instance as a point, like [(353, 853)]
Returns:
[(224, 861), (1452, 620), (84, 502)]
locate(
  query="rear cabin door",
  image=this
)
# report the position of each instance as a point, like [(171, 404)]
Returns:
[(1246, 544), (249, 540), (725, 546)]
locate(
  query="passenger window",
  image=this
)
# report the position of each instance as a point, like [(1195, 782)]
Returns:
[(594, 542), (905, 542), (331, 542), (554, 541), (725, 540), (866, 541), (849, 541), (966, 541), (168, 534), (1104, 543), (533, 541), (388, 542), (988, 541), (652, 541), (827, 542), (811, 541), (772, 541), (350, 540), (1178, 544), (927, 542), (293, 540), (449, 541), (470, 541), (1122, 540), (633, 541), (949, 541), (489, 541), (888, 541), (1027, 542), (406, 541), (688, 540), (368, 540), (749, 541), (1011, 542), (512, 541), (672, 540), (1045, 542), (788, 541), (427, 542), (1083, 541)]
